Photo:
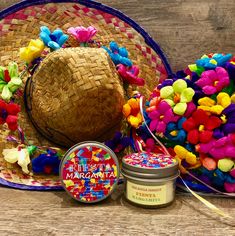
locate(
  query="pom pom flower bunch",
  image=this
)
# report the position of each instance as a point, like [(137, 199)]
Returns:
[(194, 113)]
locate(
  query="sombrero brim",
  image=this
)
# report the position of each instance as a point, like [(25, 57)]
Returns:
[(20, 23)]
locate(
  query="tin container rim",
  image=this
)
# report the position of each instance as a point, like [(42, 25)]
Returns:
[(81, 145), (151, 175), (156, 180)]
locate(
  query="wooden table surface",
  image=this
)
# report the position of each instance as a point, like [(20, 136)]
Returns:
[(185, 29)]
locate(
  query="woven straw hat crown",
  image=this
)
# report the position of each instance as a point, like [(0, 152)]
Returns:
[(76, 95)]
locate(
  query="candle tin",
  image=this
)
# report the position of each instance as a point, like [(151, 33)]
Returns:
[(89, 172), (150, 179)]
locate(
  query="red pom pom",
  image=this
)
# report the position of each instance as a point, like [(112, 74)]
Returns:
[(12, 122), (7, 77), (193, 136), (13, 109), (189, 124), (212, 123), (205, 136), (200, 117), (3, 105)]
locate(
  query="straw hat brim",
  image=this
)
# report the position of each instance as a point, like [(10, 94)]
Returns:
[(21, 22)]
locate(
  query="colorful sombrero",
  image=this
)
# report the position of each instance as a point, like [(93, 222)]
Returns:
[(57, 111)]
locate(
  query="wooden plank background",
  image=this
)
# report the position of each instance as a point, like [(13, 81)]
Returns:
[(185, 29)]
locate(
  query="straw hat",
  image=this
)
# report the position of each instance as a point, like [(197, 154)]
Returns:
[(76, 93), (80, 101)]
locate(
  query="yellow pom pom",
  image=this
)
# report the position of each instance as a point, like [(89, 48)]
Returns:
[(180, 151), (139, 117), (191, 158), (183, 153), (134, 121), (34, 50), (233, 98), (134, 103), (223, 99), (206, 101), (126, 110)]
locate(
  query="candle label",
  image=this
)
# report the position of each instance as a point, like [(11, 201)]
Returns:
[(89, 173), (146, 195)]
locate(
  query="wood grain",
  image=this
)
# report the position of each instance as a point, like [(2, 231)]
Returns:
[(185, 29)]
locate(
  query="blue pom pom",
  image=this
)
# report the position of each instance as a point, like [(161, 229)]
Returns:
[(63, 39), (57, 33), (113, 46), (53, 45), (45, 37), (125, 61), (45, 29), (123, 52)]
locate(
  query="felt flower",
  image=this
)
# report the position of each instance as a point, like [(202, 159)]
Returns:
[(182, 154), (118, 55), (208, 104), (19, 155), (8, 114), (228, 116), (32, 51), (200, 127), (177, 96), (213, 81), (118, 143), (175, 131), (218, 149), (212, 61), (46, 163), (9, 81), (82, 34), (130, 75), (54, 40), (190, 79), (161, 117), (131, 110)]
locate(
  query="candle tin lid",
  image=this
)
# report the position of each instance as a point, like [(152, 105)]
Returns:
[(89, 172), (149, 165)]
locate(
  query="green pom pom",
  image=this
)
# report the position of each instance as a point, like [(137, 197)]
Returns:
[(13, 69), (31, 149), (225, 164), (166, 92), (179, 86)]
